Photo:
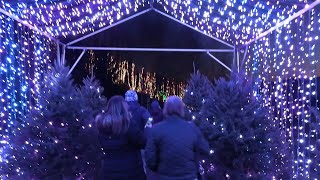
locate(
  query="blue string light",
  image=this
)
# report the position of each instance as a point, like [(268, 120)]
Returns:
[(285, 64), (24, 56), (234, 21)]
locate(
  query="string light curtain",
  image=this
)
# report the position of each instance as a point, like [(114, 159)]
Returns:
[(72, 17), (285, 65), (231, 20), (234, 21), (125, 72), (136, 77), (24, 56)]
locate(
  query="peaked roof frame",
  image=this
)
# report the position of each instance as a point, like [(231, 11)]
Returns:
[(208, 51), (61, 55)]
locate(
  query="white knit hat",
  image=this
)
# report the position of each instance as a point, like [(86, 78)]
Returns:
[(131, 95)]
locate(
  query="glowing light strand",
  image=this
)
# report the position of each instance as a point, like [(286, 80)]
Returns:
[(286, 66), (232, 21), (137, 78), (22, 64)]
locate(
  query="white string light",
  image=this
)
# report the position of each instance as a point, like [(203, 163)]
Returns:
[(233, 21), (284, 63)]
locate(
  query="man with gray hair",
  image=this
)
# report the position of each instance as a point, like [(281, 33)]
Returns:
[(174, 144)]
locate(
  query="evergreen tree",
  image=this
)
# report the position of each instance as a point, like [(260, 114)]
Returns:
[(197, 92), (90, 98), (57, 142), (245, 142)]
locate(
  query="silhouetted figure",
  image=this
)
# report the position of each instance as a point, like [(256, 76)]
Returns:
[(174, 144), (156, 112), (121, 141), (140, 115)]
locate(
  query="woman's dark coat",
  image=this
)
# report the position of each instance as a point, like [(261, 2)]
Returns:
[(122, 154)]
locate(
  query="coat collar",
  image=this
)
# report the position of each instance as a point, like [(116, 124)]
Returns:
[(174, 118)]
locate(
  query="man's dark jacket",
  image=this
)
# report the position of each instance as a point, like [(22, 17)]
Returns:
[(139, 114), (172, 149)]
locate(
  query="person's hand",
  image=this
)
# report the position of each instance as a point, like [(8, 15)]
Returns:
[(149, 123)]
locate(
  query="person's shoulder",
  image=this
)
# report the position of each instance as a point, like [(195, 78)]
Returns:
[(194, 127), (190, 124), (159, 126)]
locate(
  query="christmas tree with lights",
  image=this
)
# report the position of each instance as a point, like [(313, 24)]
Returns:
[(90, 98), (58, 141), (245, 141), (197, 92)]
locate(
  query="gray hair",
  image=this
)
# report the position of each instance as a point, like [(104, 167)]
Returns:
[(173, 106)]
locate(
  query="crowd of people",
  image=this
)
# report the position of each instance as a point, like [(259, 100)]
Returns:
[(155, 145)]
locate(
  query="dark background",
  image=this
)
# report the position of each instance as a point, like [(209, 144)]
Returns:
[(151, 30)]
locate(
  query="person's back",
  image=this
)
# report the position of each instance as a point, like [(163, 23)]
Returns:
[(177, 148), (121, 141), (123, 157), (172, 148), (139, 114), (156, 112)]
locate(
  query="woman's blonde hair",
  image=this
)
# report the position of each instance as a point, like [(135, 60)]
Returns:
[(173, 106), (116, 116)]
